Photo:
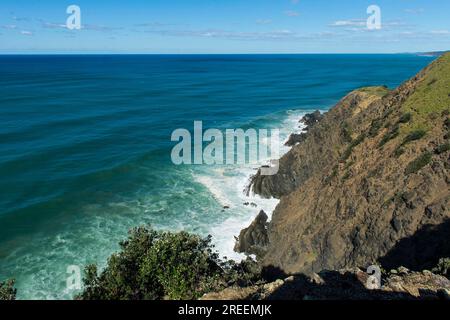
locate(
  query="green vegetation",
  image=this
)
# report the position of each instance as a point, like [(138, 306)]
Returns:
[(391, 134), (431, 95), (347, 132), (447, 126), (7, 290), (443, 148), (399, 151), (447, 122), (352, 145), (379, 91), (375, 127), (414, 135), (405, 118), (158, 265), (418, 163), (346, 175)]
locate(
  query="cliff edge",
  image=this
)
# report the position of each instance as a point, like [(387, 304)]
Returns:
[(367, 183)]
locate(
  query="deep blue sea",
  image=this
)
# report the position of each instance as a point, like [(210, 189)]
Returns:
[(85, 146)]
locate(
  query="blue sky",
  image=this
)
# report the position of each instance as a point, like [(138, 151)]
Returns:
[(224, 26)]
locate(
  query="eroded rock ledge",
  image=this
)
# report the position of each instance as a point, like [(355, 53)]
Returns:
[(254, 239), (348, 284)]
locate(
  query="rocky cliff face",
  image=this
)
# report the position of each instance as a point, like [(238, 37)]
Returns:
[(368, 182), (348, 284)]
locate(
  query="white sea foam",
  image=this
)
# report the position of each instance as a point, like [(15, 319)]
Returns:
[(228, 185), (99, 227)]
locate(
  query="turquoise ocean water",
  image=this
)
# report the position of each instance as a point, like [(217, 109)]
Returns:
[(85, 146)]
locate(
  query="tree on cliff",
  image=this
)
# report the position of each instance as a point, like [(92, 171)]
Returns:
[(7, 290), (157, 265)]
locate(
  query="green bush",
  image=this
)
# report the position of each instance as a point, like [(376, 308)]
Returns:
[(375, 127), (347, 153), (7, 290), (347, 132), (158, 265), (405, 118), (447, 122), (443, 148), (418, 163), (391, 134), (414, 135)]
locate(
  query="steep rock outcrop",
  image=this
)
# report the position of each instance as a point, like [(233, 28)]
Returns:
[(254, 239), (371, 175)]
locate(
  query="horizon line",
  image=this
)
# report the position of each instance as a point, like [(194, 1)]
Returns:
[(237, 53)]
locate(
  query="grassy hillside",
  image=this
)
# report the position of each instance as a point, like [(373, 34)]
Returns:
[(431, 97)]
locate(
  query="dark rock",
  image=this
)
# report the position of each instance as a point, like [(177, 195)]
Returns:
[(402, 219), (310, 119), (396, 224), (254, 239), (294, 139)]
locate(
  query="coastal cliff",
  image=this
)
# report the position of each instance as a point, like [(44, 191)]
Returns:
[(367, 183)]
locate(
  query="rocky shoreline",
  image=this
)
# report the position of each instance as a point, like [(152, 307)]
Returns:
[(366, 183)]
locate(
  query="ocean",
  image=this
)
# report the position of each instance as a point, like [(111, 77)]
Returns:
[(85, 147)]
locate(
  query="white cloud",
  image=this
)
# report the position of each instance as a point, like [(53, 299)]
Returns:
[(51, 25), (26, 33), (291, 13), (9, 26), (349, 23), (440, 32), (360, 25), (280, 35), (415, 11)]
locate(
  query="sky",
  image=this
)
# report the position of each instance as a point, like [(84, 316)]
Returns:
[(224, 26)]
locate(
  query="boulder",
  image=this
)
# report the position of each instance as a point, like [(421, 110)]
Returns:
[(254, 239), (311, 119)]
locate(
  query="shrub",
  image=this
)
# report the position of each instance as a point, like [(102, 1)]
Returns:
[(447, 122), (183, 265), (399, 151), (443, 148), (7, 290), (405, 118), (391, 134), (347, 153), (375, 127), (433, 81), (155, 265), (346, 175), (347, 132), (412, 136), (418, 163), (333, 174)]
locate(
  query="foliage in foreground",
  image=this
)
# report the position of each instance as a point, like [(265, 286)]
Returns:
[(162, 265), (7, 290)]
